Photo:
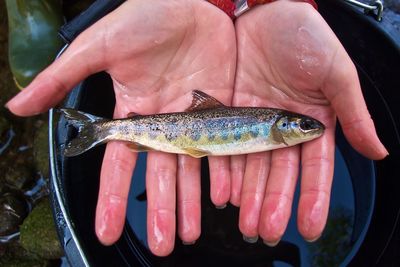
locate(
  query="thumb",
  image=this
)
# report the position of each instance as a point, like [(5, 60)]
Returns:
[(342, 88), (81, 59)]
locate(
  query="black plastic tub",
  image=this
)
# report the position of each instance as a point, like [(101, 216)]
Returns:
[(365, 200)]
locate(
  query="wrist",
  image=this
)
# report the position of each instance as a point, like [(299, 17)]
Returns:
[(236, 8), (252, 3), (225, 5), (246, 5)]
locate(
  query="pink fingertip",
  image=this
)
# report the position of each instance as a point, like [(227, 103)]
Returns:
[(20, 105), (249, 216), (313, 222), (109, 221), (161, 237), (12, 103)]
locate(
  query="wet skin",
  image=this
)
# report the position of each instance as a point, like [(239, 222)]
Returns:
[(293, 60), (157, 63)]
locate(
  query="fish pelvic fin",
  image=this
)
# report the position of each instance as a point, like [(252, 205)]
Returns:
[(196, 153), (89, 134)]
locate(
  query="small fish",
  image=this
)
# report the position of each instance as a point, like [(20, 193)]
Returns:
[(206, 128)]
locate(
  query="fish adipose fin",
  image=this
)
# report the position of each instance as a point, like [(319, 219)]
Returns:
[(89, 134), (196, 153), (132, 114), (203, 101)]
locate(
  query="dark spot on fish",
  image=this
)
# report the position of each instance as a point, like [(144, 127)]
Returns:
[(154, 130), (265, 130), (173, 120), (195, 136), (154, 127), (211, 136), (170, 136), (224, 135), (237, 135), (254, 131)]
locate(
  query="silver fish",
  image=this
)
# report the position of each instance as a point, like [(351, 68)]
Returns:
[(206, 128)]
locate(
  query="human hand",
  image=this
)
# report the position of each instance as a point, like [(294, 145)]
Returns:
[(289, 58), (156, 52)]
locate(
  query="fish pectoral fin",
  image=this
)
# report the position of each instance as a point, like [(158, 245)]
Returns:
[(277, 136), (202, 101), (196, 153), (136, 147)]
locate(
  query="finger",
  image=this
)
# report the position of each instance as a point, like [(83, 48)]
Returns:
[(277, 204), (317, 161), (115, 178), (161, 193), (343, 90), (220, 181), (189, 205), (116, 173), (238, 164), (255, 179), (79, 61)]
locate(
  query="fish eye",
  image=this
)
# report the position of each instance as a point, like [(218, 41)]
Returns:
[(307, 124), (283, 124)]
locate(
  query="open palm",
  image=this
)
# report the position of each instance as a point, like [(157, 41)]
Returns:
[(156, 52), (293, 60)]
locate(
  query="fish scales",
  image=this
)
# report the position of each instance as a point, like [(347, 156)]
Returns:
[(208, 128), (216, 131)]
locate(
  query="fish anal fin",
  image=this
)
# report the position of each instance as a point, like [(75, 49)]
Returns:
[(196, 153), (202, 101), (136, 147)]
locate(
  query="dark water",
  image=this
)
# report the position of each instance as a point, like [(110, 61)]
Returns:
[(346, 227)]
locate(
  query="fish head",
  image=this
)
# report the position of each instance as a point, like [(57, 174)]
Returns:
[(295, 128)]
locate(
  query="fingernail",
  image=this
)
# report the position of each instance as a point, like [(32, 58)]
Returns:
[(386, 151), (220, 207), (312, 240), (381, 150), (271, 243), (250, 240), (188, 243)]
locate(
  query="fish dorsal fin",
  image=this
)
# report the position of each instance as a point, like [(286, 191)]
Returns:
[(203, 101)]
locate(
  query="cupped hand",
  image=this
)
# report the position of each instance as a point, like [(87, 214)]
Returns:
[(156, 52), (289, 58)]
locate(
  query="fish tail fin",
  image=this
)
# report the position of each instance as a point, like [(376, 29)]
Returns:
[(89, 133)]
